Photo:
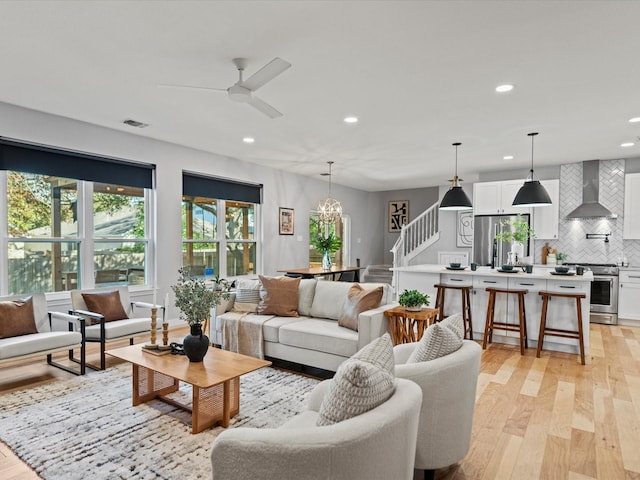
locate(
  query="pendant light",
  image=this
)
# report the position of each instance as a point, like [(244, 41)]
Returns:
[(455, 198), (329, 209), (532, 193)]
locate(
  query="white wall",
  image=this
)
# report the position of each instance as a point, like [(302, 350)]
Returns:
[(281, 189)]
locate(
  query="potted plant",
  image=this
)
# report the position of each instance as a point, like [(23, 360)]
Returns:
[(413, 300), (195, 301), (560, 258), (517, 232), (327, 242)]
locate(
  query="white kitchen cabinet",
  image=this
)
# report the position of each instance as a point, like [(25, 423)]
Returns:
[(480, 302), (629, 295), (495, 198), (545, 219), (631, 225), (532, 305)]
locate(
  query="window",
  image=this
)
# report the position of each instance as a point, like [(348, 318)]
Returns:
[(219, 232), (66, 227), (341, 228)]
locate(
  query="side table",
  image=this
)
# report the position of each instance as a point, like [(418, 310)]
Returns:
[(408, 326)]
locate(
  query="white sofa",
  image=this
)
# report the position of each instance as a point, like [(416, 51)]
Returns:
[(315, 338), (378, 444), (449, 393), (56, 332)]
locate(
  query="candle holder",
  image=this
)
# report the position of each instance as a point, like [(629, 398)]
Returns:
[(152, 345), (165, 337)]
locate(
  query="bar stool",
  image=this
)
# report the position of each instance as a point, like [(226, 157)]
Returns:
[(490, 323), (466, 305), (558, 332)]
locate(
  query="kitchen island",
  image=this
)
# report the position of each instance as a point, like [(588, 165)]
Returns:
[(561, 312)]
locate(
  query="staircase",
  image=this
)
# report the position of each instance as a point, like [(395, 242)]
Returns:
[(416, 237)]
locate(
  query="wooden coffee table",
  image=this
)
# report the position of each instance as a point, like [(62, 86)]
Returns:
[(215, 381)]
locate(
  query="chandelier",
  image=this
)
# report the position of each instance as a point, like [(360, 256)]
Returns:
[(329, 209)]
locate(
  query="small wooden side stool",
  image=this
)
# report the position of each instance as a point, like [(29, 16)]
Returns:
[(466, 305), (490, 323), (407, 325), (558, 332)]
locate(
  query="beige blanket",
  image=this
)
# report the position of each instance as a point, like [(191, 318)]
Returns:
[(243, 334)]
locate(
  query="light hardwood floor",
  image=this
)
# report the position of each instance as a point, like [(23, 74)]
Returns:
[(546, 418)]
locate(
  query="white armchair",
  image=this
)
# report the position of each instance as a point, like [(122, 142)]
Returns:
[(99, 330), (448, 398), (379, 444)]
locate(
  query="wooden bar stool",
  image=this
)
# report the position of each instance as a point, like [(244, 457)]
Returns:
[(466, 305), (490, 323), (558, 332)]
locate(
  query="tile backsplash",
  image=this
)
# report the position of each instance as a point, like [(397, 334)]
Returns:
[(572, 233)]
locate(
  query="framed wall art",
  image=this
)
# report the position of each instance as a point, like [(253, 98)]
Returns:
[(398, 214), (285, 216), (464, 237)]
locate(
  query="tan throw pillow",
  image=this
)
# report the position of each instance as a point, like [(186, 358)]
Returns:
[(279, 296), (247, 296), (436, 342), (356, 388), (358, 300), (379, 352), (16, 318), (107, 304)]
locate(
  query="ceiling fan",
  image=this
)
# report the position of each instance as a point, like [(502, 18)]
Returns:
[(242, 90)]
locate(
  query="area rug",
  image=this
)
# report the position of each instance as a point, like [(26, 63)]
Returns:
[(86, 427)]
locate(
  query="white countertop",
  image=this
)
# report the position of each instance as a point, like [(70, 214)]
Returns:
[(538, 272)]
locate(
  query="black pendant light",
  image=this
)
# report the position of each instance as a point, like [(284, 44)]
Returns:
[(532, 193), (455, 198)]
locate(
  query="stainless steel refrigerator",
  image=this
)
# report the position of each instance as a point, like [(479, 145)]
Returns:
[(486, 249)]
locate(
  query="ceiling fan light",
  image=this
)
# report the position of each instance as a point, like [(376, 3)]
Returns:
[(532, 194), (455, 199)]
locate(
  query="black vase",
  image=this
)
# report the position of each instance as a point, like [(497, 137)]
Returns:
[(196, 344)]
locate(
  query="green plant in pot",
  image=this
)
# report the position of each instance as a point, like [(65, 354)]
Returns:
[(326, 241), (517, 232), (413, 300), (195, 301)]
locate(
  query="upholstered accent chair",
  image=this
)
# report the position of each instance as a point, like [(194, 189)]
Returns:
[(448, 386), (379, 443), (116, 316), (46, 334)]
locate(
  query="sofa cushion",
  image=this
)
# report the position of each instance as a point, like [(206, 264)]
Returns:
[(122, 328), (436, 342), (271, 328), (329, 299), (107, 304), (357, 387), (378, 352), (16, 318), (358, 300), (306, 291), (247, 296), (279, 296), (455, 323), (321, 335)]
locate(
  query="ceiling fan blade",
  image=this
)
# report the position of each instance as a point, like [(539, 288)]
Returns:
[(271, 70), (192, 87), (264, 107)]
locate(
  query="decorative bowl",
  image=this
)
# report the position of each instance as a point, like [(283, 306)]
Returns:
[(454, 265), (506, 267), (562, 269)]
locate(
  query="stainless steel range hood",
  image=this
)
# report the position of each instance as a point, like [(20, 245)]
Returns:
[(591, 206)]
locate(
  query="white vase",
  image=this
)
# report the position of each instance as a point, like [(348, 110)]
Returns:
[(517, 249)]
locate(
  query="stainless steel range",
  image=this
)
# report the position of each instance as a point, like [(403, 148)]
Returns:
[(604, 292)]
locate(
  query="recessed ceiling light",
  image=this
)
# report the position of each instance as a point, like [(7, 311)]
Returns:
[(627, 144), (507, 87), (248, 139), (350, 119), (508, 157), (634, 120)]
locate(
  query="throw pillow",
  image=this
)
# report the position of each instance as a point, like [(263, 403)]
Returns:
[(279, 296), (436, 342), (378, 352), (16, 318), (107, 304), (455, 323), (247, 296), (356, 388), (358, 300)]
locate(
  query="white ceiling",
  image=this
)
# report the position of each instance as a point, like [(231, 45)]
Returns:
[(420, 75)]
